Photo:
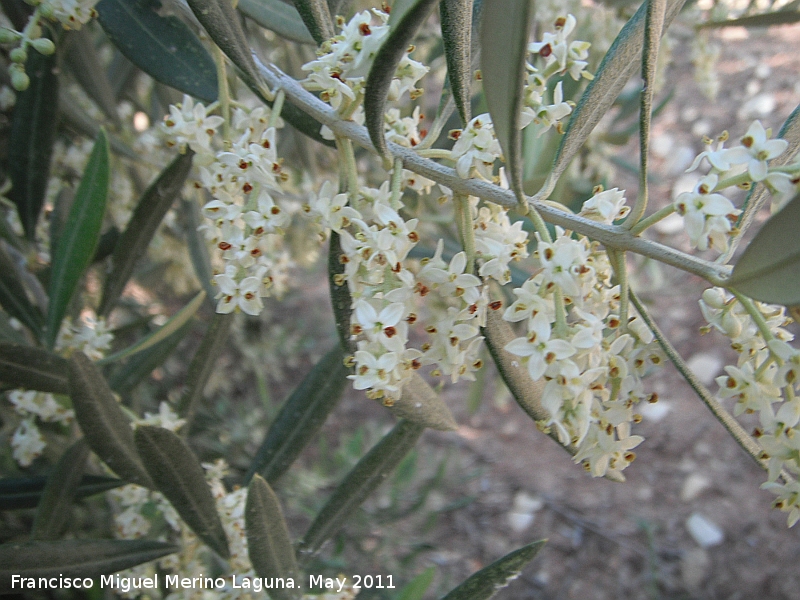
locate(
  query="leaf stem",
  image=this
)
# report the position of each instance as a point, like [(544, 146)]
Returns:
[(466, 230), (224, 96), (653, 219)]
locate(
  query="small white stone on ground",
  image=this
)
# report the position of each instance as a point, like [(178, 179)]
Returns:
[(693, 486), (704, 531)]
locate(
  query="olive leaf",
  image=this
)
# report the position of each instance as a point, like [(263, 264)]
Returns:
[(59, 493), (14, 297), (126, 377), (456, 18), (168, 329), (147, 216), (106, 428), (778, 17), (75, 249), (163, 47), (198, 248), (75, 558), (179, 476), (33, 133), (316, 15), (421, 404), (279, 17), (301, 417), (769, 268), (488, 581), (202, 365), (223, 25), (85, 65), (614, 71), (416, 588), (268, 543), (384, 66), (340, 294), (363, 479), (33, 368), (505, 25), (26, 492)]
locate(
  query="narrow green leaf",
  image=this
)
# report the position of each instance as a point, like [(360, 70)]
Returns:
[(504, 46), (613, 73), (279, 17), (301, 417), (126, 377), (384, 66), (420, 404), (179, 476), (173, 324), (14, 298), (108, 431), (653, 30), (76, 245), (340, 294), (488, 581), (147, 216), (25, 492), (780, 17), (223, 25), (416, 588), (163, 47), (60, 492), (9, 334), (528, 393), (198, 248), (33, 133), (358, 484), (456, 18), (33, 368), (203, 364), (317, 16), (268, 542), (86, 67), (75, 558), (769, 268)]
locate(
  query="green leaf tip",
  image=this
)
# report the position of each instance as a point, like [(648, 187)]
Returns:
[(178, 475)]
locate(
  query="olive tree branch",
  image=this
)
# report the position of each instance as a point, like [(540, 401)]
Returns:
[(611, 236)]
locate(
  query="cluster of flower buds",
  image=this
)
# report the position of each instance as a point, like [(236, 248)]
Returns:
[(708, 215), (246, 217), (764, 382), (591, 362)]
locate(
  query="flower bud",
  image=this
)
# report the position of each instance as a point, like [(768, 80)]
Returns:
[(44, 46), (19, 80), (8, 36), (18, 55), (714, 297)]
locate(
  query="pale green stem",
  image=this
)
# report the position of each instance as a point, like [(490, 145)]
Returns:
[(466, 230), (397, 180), (620, 268), (653, 219), (561, 313), (747, 443), (224, 96), (277, 107), (353, 106), (731, 181), (348, 158), (755, 314), (435, 153)]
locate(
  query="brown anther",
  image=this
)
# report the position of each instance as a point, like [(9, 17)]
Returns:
[(397, 268), (413, 236), (472, 309), (224, 246), (411, 318), (363, 370), (548, 253), (415, 364), (560, 22), (549, 357), (630, 456), (247, 188), (496, 305), (545, 51), (275, 210), (255, 252), (652, 398), (453, 341), (259, 231), (343, 259), (243, 164), (757, 432), (249, 296), (266, 144), (390, 332), (477, 364), (747, 141), (364, 29), (356, 329), (430, 329), (454, 134)]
